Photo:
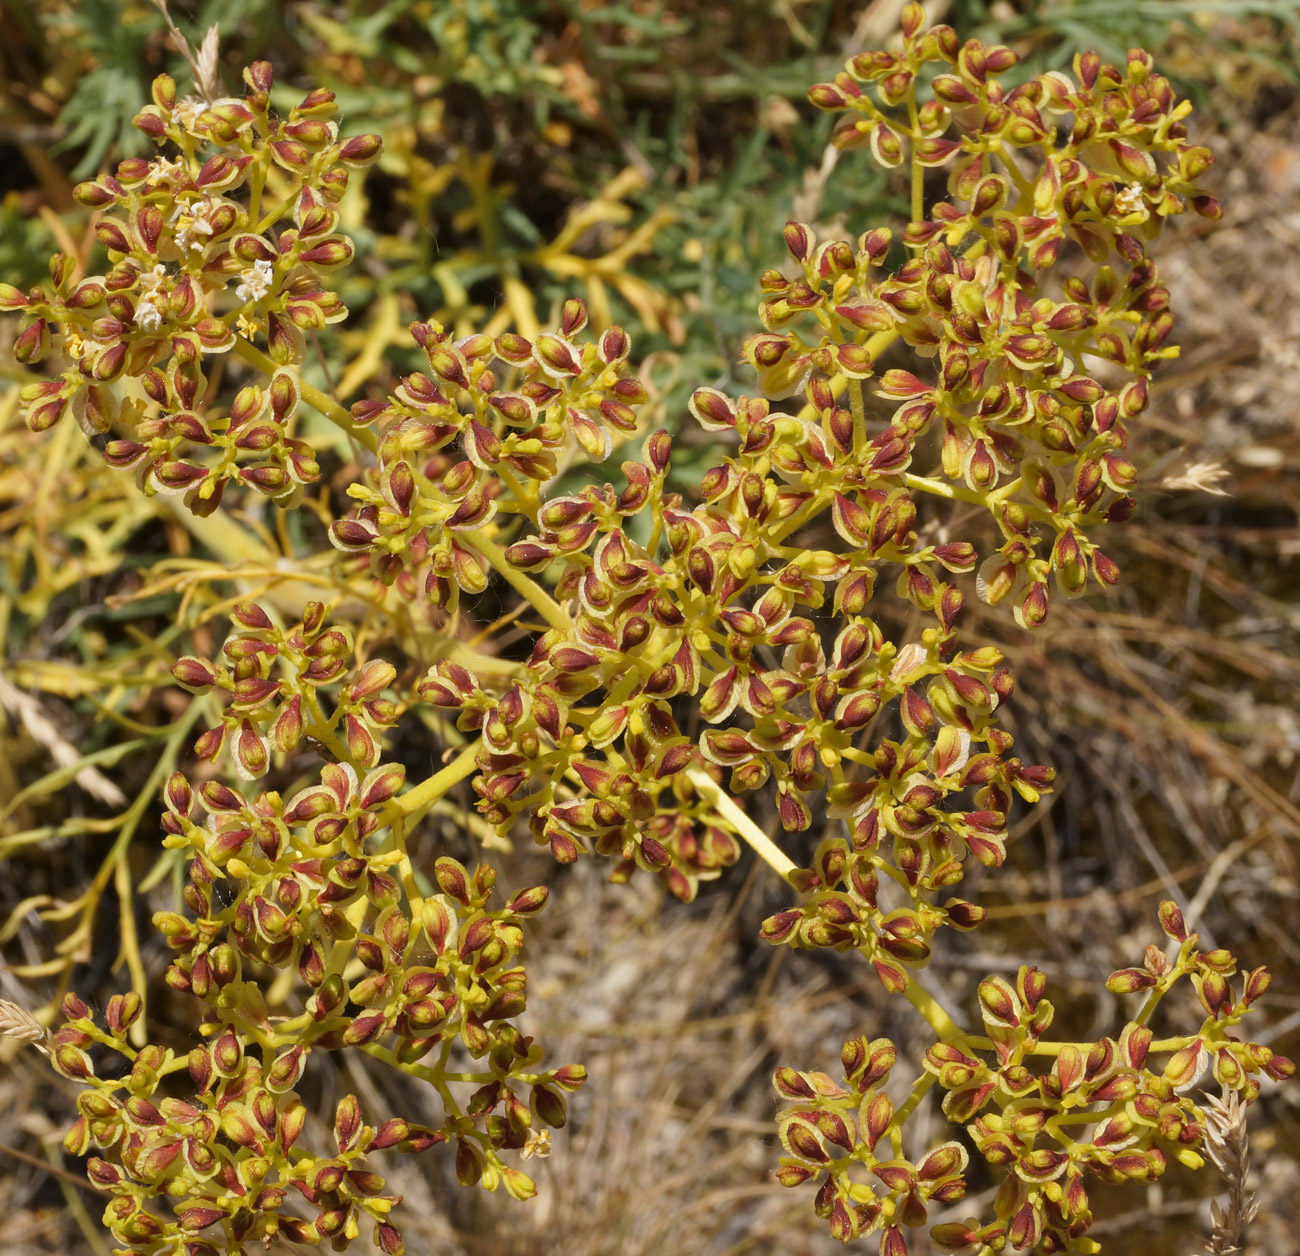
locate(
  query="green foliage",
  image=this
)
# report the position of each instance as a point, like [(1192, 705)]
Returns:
[(1110, 27)]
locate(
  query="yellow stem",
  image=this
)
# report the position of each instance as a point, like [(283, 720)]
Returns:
[(920, 1088), (406, 869), (131, 942), (938, 1020), (527, 588), (1160, 1045), (918, 170), (414, 802), (319, 401), (858, 406), (763, 846), (958, 492), (322, 732), (877, 344), (771, 854)]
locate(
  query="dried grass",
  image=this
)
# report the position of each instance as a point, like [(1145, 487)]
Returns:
[(1227, 1143), (41, 728), (17, 1022), (205, 65)]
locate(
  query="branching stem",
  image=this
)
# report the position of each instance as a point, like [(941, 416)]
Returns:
[(771, 854), (527, 588), (536, 596), (322, 403)]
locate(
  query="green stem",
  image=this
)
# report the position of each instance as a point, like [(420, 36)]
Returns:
[(1159, 990), (412, 804), (526, 497), (389, 1057), (809, 510), (771, 854), (878, 343)]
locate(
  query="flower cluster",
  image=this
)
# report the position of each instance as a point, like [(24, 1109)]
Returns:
[(390, 971), (1102, 1110), (200, 265), (691, 647), (230, 1154), (725, 614), (266, 709), (492, 420), (1028, 427)]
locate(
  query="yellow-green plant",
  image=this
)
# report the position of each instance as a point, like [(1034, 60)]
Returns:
[(681, 654)]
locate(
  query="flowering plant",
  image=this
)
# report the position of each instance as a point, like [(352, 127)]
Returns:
[(684, 652)]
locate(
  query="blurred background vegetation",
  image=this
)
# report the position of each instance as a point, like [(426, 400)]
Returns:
[(644, 154)]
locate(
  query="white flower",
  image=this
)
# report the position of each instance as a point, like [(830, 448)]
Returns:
[(1130, 201), (151, 280), (164, 171), (189, 110), (909, 659), (256, 282), (192, 108), (538, 1144), (192, 228), (148, 317), (152, 285), (190, 237)]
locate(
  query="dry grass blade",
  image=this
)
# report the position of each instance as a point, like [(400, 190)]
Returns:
[(1228, 1145), (204, 66), (1200, 477), (18, 1022), (37, 723), (207, 76)]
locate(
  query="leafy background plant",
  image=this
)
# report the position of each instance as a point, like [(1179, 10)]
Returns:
[(644, 157)]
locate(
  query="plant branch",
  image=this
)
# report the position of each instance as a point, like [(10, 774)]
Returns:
[(412, 804), (527, 588), (771, 854), (762, 845), (322, 403)]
